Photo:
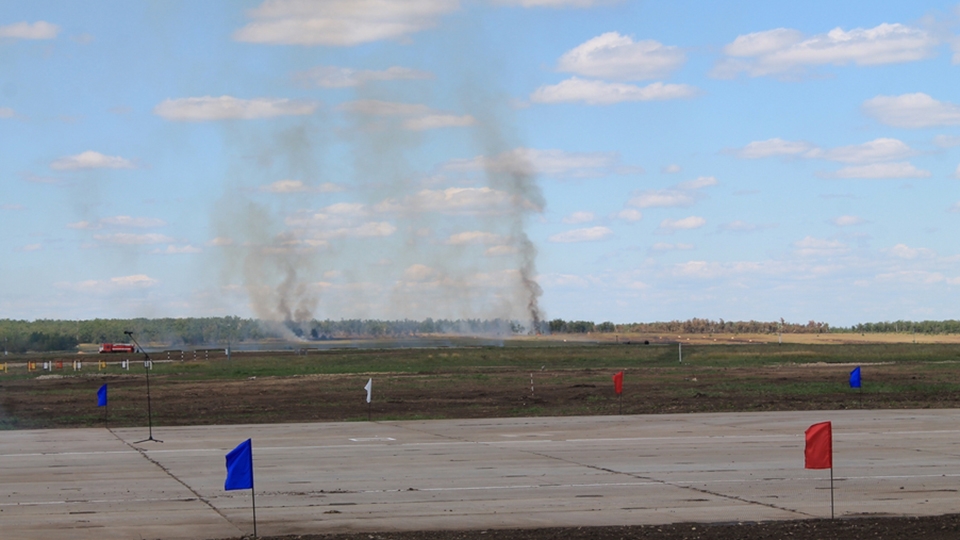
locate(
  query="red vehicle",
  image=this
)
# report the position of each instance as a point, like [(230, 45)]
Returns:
[(117, 348)]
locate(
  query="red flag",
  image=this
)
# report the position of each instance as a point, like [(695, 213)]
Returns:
[(818, 453), (618, 383)]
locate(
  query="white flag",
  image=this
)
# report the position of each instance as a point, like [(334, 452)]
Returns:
[(369, 389)]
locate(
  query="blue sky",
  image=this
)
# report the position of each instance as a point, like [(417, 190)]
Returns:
[(580, 159)]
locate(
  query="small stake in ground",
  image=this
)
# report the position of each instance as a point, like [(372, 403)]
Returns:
[(369, 389), (818, 452), (618, 388)]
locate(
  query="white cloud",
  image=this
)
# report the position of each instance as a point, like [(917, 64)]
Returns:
[(90, 160), (564, 280), (811, 246), (698, 183), (903, 251), (221, 241), (376, 107), (783, 51), (340, 23), (946, 141), (25, 30), (370, 229), (437, 121), (879, 171), (671, 169), (136, 281), (663, 246), (956, 173), (591, 92), (773, 147), (917, 110), (199, 109), (456, 200), (554, 163), (31, 247), (7, 112), (554, 3), (474, 237), (882, 149), (664, 198), (579, 217), (341, 77), (913, 276), (420, 273), (712, 270), (11, 207), (612, 56), (682, 194), (687, 223), (743, 226), (177, 250), (128, 221), (846, 221), (332, 216), (501, 251), (954, 208), (761, 43), (630, 214), (133, 239), (591, 234), (419, 117), (297, 186)]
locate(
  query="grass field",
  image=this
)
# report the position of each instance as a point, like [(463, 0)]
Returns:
[(527, 377)]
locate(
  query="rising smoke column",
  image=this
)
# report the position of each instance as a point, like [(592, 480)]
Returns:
[(274, 266), (512, 172)]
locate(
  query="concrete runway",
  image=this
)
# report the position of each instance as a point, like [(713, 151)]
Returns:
[(454, 474)]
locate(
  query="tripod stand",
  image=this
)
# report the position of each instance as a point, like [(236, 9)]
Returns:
[(147, 364)]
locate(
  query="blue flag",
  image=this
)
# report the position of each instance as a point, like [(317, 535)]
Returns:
[(855, 378), (102, 396), (240, 467)]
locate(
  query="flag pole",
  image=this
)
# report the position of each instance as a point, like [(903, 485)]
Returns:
[(620, 399), (861, 395), (831, 492), (253, 496)]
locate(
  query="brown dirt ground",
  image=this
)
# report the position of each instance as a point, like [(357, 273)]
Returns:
[(69, 401), (945, 527)]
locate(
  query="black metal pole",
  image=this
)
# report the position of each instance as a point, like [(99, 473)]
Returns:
[(253, 496), (147, 363), (831, 492)]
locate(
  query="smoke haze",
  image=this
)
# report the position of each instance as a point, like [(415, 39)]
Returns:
[(345, 218)]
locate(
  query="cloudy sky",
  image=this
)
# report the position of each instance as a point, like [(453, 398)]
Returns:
[(601, 160)]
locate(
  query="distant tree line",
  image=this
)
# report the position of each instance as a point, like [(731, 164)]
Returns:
[(18, 336), (909, 327), (707, 326)]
